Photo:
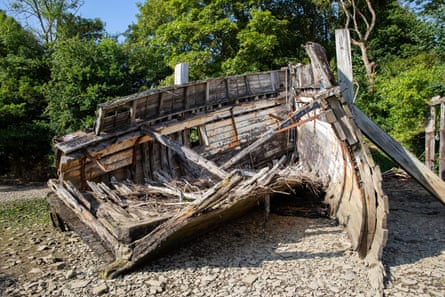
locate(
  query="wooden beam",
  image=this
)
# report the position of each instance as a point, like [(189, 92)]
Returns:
[(430, 181), (442, 142), (430, 141), (295, 117), (323, 76), (186, 153), (344, 63)]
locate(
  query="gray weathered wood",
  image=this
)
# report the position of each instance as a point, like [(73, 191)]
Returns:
[(399, 154), (430, 140), (442, 142), (181, 73), (187, 153), (323, 76), (344, 63)]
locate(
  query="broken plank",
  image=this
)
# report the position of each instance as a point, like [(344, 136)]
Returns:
[(295, 117), (187, 153), (85, 216)]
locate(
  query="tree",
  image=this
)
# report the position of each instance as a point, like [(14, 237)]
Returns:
[(84, 73), (361, 22), (258, 43), (433, 13), (75, 26), (48, 14), (24, 136), (402, 92), (217, 37)]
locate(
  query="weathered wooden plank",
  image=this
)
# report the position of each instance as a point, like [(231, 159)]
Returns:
[(430, 138), (442, 142), (344, 63), (320, 66), (187, 153), (85, 216), (270, 133), (399, 154)]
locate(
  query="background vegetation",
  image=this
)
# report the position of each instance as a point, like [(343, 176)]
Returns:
[(53, 76)]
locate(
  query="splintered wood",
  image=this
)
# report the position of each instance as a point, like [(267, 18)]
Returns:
[(165, 166)]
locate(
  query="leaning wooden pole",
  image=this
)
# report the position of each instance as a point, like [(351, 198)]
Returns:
[(419, 171), (399, 154)]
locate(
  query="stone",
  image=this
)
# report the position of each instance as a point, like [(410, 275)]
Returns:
[(57, 266), (70, 274), (206, 280), (408, 281), (99, 289), (313, 285), (77, 284), (155, 286), (249, 280), (348, 276), (42, 248), (35, 271)]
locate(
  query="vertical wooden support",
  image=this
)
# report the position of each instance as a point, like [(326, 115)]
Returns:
[(160, 101), (273, 81), (207, 91), (203, 135), (133, 112), (442, 142), (181, 73), (246, 81), (186, 100), (145, 152), (99, 121), (344, 64), (226, 84), (429, 138)]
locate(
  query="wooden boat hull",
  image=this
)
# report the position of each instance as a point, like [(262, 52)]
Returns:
[(167, 165)]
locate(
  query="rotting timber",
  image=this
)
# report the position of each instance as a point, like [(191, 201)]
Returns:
[(166, 165)]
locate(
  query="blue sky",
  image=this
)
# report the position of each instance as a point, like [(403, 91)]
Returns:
[(116, 14)]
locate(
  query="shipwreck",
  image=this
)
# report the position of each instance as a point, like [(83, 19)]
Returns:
[(163, 166)]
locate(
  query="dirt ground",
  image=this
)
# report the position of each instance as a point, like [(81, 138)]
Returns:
[(414, 257)]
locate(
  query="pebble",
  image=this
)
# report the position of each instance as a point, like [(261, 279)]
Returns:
[(76, 284), (249, 280), (99, 289), (298, 257)]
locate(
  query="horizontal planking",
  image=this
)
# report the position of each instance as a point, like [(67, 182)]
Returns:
[(122, 112), (248, 116)]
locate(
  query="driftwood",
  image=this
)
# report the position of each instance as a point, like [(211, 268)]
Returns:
[(142, 186)]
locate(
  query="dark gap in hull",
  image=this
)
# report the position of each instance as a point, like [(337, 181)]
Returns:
[(303, 202)]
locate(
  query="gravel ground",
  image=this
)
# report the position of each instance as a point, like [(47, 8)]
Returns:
[(14, 192), (295, 256)]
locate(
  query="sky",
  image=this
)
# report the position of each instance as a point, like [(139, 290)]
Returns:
[(116, 14)]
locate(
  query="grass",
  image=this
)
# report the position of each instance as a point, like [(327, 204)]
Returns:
[(385, 163), (34, 211)]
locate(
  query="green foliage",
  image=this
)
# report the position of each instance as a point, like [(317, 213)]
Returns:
[(47, 14), (222, 37), (258, 42), (399, 33), (84, 74), (24, 140), (402, 91), (75, 26), (432, 12)]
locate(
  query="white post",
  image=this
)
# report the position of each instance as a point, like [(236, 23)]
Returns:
[(344, 63), (181, 74)]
